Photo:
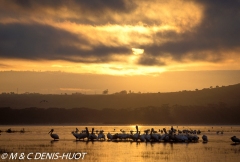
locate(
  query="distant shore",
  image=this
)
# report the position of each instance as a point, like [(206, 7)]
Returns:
[(215, 106), (227, 96), (171, 115)]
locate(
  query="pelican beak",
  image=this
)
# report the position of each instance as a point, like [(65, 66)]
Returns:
[(50, 131)]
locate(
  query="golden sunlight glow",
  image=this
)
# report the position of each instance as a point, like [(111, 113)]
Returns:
[(127, 66), (137, 51), (162, 16), (170, 17), (159, 16)]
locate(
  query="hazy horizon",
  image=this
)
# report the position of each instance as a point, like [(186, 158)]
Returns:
[(45, 82)]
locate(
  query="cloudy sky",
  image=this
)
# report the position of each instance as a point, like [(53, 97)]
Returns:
[(126, 39)]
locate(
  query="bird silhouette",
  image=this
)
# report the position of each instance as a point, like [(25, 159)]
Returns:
[(204, 138), (54, 136), (235, 139)]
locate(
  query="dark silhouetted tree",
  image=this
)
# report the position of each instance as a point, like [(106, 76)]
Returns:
[(105, 92)]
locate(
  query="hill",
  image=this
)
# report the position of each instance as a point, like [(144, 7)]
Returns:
[(228, 95), (219, 105)]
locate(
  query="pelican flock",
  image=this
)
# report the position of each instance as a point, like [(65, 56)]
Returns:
[(149, 135)]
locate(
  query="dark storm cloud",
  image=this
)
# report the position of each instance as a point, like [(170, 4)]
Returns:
[(45, 42), (103, 5), (218, 32), (150, 60), (93, 5), (29, 4), (93, 12), (35, 41)]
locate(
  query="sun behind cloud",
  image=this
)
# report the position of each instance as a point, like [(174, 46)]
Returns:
[(137, 51), (120, 38)]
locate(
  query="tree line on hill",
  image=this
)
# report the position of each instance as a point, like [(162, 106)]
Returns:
[(229, 95), (219, 113)]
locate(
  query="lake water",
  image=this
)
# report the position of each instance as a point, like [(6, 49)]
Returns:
[(36, 141)]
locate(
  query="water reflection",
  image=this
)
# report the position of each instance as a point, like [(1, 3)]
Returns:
[(53, 141), (35, 139)]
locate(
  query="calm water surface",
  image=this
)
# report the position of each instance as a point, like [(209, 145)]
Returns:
[(37, 140)]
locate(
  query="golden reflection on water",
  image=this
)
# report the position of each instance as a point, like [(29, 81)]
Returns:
[(37, 139)]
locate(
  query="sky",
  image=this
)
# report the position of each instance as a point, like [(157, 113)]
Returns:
[(143, 44)]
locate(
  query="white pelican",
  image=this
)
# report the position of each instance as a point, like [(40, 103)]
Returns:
[(180, 138), (75, 134), (192, 138), (80, 136), (101, 135), (54, 136), (198, 132), (204, 138), (154, 136), (235, 139), (142, 137), (165, 131), (165, 137), (123, 135), (115, 136), (109, 136), (136, 135), (147, 136), (92, 136)]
